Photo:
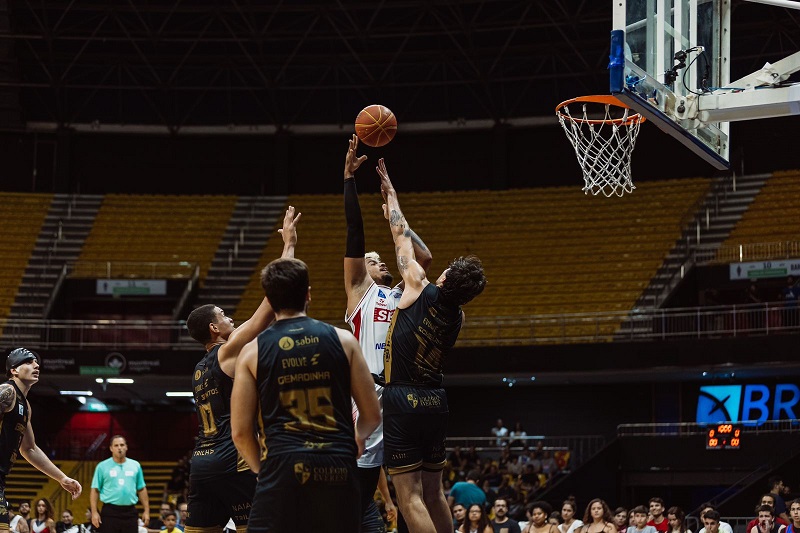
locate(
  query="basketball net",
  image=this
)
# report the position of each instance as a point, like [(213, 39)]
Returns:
[(604, 146)]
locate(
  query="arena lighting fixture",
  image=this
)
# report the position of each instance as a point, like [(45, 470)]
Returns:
[(99, 380), (180, 394), (120, 381), (76, 393)]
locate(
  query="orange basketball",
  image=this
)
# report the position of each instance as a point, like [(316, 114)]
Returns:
[(376, 125)]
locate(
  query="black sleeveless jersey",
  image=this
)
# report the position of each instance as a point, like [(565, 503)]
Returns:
[(214, 452), (419, 338), (304, 389), (12, 429)]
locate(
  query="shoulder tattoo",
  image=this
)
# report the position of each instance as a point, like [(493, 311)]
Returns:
[(7, 397)]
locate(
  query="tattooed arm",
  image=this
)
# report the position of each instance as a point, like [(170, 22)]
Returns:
[(412, 272), (7, 398)]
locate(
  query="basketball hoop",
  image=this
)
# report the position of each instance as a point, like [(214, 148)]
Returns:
[(603, 138)]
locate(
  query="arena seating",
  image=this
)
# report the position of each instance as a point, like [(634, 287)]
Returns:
[(545, 250), (773, 215), (156, 228), (22, 216)]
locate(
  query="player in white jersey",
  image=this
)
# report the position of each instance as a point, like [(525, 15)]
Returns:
[(371, 301)]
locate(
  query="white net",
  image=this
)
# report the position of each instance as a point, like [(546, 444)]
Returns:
[(604, 147)]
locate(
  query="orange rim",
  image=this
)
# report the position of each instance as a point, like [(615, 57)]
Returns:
[(603, 99)]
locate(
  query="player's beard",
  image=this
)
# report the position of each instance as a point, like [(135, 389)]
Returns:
[(387, 279)]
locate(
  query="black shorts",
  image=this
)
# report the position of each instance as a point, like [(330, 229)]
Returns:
[(414, 429), (306, 492), (215, 500)]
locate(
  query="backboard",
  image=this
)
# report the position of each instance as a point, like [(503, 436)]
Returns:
[(646, 38)]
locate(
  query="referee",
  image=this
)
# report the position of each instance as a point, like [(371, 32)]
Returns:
[(118, 482)]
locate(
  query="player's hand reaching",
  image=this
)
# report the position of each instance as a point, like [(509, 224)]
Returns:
[(289, 230), (351, 160), (386, 186)]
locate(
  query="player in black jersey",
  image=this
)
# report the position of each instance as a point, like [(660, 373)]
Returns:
[(221, 485), (16, 435), (296, 380), (424, 328)]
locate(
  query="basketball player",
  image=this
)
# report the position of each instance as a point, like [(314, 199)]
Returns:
[(16, 434), (424, 328), (297, 379), (370, 304), (221, 486)]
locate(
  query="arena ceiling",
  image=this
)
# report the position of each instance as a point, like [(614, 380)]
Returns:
[(284, 64)]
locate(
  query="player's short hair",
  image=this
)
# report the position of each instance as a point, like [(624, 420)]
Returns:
[(285, 284), (640, 509), (464, 280), (198, 321)]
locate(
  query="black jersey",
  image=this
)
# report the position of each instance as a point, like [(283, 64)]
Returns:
[(12, 429), (304, 389), (419, 337), (214, 452)]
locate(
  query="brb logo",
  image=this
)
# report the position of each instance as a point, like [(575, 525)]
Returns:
[(743, 403)]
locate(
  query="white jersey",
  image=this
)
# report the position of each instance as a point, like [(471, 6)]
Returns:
[(370, 324)]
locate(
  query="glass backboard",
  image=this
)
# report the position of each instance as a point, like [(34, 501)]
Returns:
[(664, 54)]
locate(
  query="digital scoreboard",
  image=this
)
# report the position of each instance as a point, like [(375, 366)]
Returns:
[(724, 437)]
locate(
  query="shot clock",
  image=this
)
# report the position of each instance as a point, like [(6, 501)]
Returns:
[(723, 437)]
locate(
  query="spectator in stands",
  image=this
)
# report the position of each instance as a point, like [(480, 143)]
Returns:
[(568, 510), (794, 514), (158, 524), (597, 518), (459, 515), (658, 520), (491, 494), (19, 522), (493, 476), (707, 509), (43, 522), (776, 484), (538, 515), (170, 523), (555, 518), (183, 512), (506, 460), (549, 465), (505, 490), (500, 431), (528, 481), (66, 525), (88, 527), (640, 524), (766, 499), (517, 435), (476, 521), (766, 521), (177, 488), (621, 518), (467, 492), (677, 520), (501, 522)]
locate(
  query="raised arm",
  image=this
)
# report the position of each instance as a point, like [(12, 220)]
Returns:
[(362, 389), (412, 272), (244, 407), (264, 315), (356, 279)]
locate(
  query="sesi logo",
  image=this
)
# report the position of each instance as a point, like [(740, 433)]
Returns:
[(743, 403), (382, 315)]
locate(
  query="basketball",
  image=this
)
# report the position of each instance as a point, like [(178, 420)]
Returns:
[(376, 125)]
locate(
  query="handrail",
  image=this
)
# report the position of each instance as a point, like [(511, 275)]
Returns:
[(694, 428), (755, 251), (133, 269), (618, 326), (54, 293), (187, 291)]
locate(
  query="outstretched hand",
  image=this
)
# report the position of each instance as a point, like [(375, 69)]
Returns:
[(351, 160), (386, 185), (71, 486), (289, 230)]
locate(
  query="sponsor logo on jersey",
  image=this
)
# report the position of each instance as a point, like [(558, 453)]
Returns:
[(381, 294), (286, 343), (380, 345), (197, 375), (382, 315), (413, 401), (301, 472), (307, 341)]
